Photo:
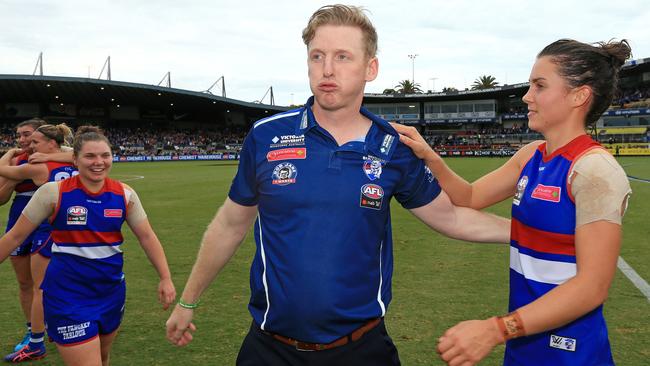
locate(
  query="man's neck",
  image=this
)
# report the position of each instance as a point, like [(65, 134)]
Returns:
[(345, 124)]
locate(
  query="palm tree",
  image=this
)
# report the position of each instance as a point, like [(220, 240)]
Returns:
[(408, 87), (485, 82)]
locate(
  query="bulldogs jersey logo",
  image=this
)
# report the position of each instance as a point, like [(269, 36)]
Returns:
[(284, 173), (77, 215), (372, 166)]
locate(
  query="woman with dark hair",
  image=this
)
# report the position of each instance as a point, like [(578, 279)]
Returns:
[(569, 198), (47, 140), (84, 288)]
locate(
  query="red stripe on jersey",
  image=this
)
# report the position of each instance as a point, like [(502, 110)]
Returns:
[(86, 236), (542, 241)]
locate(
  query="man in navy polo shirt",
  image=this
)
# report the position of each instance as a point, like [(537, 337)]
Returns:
[(318, 180)]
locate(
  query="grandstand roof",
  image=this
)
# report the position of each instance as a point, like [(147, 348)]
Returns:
[(499, 92), (102, 93), (631, 67)]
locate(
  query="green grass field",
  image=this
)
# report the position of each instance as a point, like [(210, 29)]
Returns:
[(437, 281)]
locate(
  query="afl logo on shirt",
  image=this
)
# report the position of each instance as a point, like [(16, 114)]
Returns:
[(284, 173), (372, 196), (77, 215), (521, 187)]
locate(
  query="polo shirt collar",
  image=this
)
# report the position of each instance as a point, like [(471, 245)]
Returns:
[(381, 139)]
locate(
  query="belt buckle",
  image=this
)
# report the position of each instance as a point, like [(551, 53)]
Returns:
[(306, 347)]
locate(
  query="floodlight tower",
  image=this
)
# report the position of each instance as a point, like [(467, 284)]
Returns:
[(412, 57)]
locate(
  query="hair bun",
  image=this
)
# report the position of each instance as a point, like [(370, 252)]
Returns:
[(87, 129), (618, 51)]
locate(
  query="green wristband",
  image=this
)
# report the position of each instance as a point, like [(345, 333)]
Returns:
[(185, 305)]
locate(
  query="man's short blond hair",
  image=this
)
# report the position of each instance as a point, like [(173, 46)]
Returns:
[(343, 15)]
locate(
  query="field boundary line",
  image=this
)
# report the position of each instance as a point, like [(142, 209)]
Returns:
[(627, 270), (634, 277), (129, 178), (638, 179)]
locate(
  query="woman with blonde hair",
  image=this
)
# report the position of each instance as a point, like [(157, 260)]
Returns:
[(46, 139)]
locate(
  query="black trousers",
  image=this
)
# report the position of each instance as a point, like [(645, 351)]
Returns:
[(375, 348)]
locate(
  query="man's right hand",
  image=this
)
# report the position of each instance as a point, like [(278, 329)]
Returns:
[(180, 326)]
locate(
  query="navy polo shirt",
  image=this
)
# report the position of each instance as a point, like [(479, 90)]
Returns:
[(324, 262)]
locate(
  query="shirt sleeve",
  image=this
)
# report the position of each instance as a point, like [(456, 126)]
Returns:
[(418, 186), (243, 189), (600, 188), (42, 203), (135, 212)]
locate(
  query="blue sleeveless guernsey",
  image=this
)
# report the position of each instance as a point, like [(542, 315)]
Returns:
[(86, 257), (542, 256)]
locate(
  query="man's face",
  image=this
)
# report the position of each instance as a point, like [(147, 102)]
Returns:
[(339, 67)]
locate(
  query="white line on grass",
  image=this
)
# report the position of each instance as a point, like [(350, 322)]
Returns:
[(628, 271), (638, 179), (128, 178), (634, 277)]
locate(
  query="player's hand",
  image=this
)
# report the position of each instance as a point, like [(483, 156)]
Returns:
[(166, 292), (37, 157), (180, 326), (469, 342), (13, 152), (412, 138)]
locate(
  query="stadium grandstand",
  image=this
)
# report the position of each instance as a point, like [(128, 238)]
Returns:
[(144, 122), (493, 122), (154, 122)]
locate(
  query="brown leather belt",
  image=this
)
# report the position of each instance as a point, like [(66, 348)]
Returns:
[(352, 337)]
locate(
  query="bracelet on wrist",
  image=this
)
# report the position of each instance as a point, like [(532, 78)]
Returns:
[(511, 326), (186, 305)]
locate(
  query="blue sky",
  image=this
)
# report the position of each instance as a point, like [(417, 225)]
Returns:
[(257, 44)]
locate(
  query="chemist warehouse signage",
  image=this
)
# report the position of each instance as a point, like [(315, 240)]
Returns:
[(127, 158)]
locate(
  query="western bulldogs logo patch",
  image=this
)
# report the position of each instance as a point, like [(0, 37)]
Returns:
[(372, 196), (284, 173), (77, 215), (372, 166)]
